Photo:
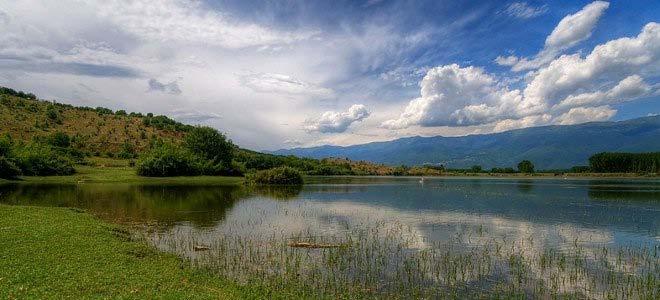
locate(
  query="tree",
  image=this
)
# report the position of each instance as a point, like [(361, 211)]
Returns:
[(210, 144), (60, 139), (476, 169), (525, 166)]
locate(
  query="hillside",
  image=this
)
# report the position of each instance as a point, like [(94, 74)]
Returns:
[(94, 130), (549, 147), (102, 132)]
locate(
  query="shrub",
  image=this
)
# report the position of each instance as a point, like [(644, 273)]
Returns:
[(53, 114), (169, 160), (60, 139), (210, 144), (127, 151), (8, 170), (103, 111), (280, 175), (329, 170), (5, 101), (400, 170), (41, 160), (5, 146)]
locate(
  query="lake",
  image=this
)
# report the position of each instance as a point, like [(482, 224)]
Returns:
[(594, 238)]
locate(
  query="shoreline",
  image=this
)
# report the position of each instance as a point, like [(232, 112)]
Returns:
[(124, 174), (83, 256)]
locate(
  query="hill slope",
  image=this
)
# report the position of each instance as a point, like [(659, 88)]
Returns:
[(549, 147), (95, 130), (103, 132)]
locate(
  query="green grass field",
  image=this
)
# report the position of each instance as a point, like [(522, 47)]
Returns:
[(62, 253)]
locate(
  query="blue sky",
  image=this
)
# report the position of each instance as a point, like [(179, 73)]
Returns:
[(280, 74)]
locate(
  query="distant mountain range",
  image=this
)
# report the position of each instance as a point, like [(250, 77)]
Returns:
[(548, 147)]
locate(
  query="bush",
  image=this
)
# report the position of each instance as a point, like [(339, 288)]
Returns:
[(60, 139), (169, 160), (280, 175), (127, 151), (329, 170), (210, 144), (5, 146), (8, 170), (400, 170), (42, 160), (5, 101)]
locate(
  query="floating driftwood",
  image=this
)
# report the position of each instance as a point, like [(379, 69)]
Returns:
[(201, 248), (313, 245)]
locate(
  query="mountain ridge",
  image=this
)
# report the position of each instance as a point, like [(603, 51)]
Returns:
[(540, 144)]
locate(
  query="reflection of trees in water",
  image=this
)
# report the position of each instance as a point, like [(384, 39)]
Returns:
[(624, 194), (624, 190), (525, 186), (279, 192), (200, 205)]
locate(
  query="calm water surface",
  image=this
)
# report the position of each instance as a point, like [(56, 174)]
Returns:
[(397, 218)]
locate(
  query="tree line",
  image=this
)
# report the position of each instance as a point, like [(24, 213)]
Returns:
[(619, 162)]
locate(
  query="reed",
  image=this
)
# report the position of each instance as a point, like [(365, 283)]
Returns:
[(385, 261)]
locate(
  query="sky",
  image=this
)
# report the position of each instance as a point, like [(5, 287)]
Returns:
[(283, 74)]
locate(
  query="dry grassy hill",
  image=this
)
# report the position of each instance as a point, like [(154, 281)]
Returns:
[(96, 130)]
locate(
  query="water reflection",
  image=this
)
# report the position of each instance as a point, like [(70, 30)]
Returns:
[(397, 218)]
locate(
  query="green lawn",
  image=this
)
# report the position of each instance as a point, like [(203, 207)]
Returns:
[(61, 253), (124, 174)]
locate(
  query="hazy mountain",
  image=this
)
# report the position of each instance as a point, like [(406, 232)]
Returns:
[(549, 147)]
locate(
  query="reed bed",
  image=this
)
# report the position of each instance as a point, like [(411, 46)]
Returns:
[(384, 260)]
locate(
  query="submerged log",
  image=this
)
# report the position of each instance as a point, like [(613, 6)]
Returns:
[(313, 245)]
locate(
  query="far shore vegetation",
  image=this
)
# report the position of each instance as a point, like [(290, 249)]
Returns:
[(42, 138)]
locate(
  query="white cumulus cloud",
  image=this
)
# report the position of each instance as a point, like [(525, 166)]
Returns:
[(571, 30), (586, 114), (335, 122), (453, 95), (569, 89)]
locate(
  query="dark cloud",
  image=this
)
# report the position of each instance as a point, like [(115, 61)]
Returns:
[(169, 88)]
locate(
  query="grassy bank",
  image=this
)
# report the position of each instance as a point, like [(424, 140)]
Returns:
[(118, 173), (61, 253)]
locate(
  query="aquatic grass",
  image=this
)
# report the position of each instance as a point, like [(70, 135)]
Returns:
[(381, 261)]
